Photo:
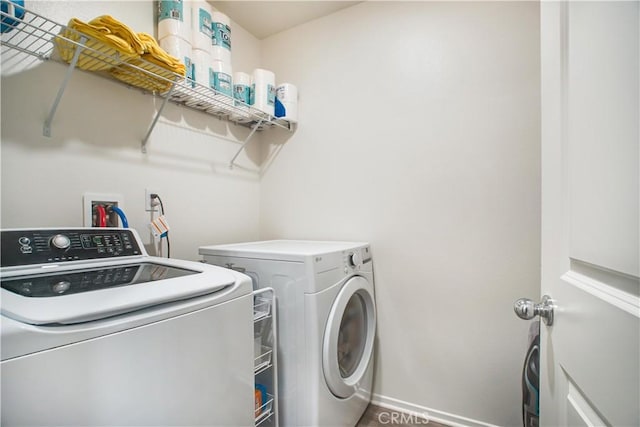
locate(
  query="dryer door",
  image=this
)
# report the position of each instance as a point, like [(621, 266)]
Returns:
[(348, 338)]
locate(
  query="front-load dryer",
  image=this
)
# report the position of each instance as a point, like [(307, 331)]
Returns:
[(326, 323)]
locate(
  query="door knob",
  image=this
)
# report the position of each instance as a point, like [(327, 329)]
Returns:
[(527, 309)]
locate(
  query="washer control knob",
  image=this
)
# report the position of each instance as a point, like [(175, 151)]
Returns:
[(60, 241), (354, 259)]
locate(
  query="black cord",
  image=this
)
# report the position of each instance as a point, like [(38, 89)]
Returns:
[(166, 232)]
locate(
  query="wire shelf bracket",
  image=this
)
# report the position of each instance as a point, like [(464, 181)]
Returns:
[(46, 129), (155, 119), (244, 144)]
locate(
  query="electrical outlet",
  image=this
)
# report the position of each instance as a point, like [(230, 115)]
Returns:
[(147, 201)]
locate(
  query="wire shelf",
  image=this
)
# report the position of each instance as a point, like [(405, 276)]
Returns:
[(261, 308), (38, 36), (265, 353), (32, 34), (264, 411), (263, 361)]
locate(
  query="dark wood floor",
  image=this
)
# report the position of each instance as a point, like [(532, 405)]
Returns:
[(375, 416)]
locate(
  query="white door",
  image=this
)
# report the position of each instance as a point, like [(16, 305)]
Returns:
[(348, 338), (590, 356)]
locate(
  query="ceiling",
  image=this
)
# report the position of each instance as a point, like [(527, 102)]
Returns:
[(265, 18)]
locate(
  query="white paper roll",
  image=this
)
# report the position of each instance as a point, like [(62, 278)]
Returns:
[(221, 36), (291, 111), (286, 92), (220, 18), (201, 26), (241, 92), (202, 66), (181, 49), (288, 96), (176, 46), (221, 79), (242, 78), (242, 87), (263, 90), (220, 54), (174, 19)]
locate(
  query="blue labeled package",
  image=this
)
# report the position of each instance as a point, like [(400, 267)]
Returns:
[(10, 10)]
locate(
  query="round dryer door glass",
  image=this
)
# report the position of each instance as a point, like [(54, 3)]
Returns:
[(352, 336), (348, 338)]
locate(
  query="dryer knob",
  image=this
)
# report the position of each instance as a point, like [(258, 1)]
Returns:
[(60, 241), (355, 259)]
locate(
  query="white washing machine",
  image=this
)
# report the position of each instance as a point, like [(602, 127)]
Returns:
[(95, 332), (326, 323)]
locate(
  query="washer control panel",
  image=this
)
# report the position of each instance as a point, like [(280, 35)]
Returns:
[(26, 247)]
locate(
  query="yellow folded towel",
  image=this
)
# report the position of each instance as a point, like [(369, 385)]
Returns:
[(155, 54), (135, 58), (121, 30), (156, 62), (106, 46)]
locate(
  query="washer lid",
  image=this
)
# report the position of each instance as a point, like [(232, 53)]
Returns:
[(75, 295)]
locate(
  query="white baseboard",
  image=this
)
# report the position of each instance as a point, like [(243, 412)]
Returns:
[(426, 413)]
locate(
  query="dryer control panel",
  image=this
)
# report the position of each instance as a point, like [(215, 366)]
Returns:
[(28, 247), (355, 258)]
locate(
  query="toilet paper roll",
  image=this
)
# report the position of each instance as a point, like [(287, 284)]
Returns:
[(221, 80), (291, 111), (287, 92), (202, 66), (220, 18), (220, 54), (221, 30), (201, 26), (263, 90), (242, 87), (202, 69), (221, 37), (241, 92), (174, 19), (180, 48), (288, 96)]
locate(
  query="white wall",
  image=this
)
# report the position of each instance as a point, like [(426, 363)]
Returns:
[(95, 147), (419, 132)]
